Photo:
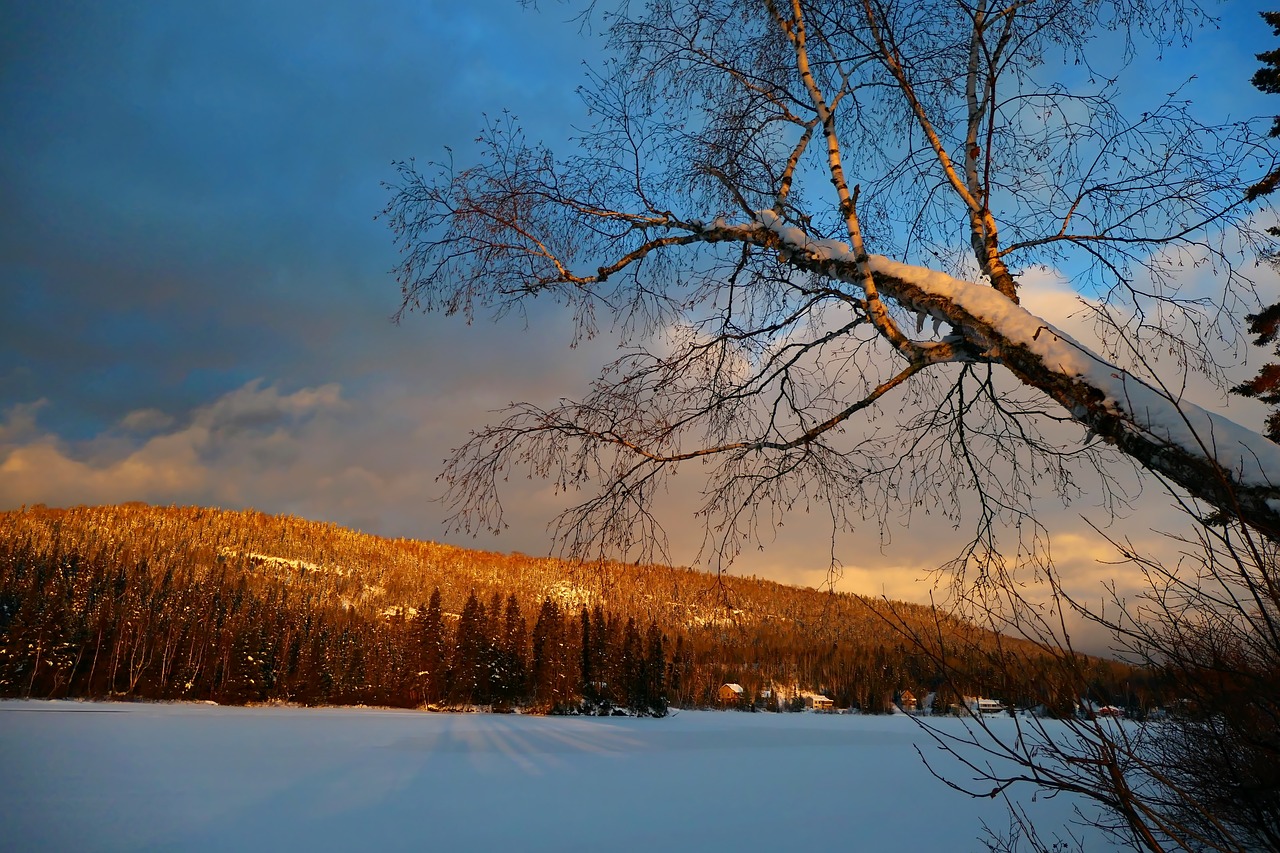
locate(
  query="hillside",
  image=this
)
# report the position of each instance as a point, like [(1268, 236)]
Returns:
[(168, 603)]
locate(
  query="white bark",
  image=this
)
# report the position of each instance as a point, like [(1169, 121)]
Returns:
[(926, 120), (1228, 466)]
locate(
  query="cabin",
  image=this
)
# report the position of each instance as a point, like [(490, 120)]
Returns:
[(979, 706), (730, 694), (818, 702), (1090, 710), (907, 701)]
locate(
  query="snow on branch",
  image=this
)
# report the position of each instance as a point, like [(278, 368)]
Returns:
[(1179, 440)]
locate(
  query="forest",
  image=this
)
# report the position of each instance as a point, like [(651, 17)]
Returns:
[(137, 602)]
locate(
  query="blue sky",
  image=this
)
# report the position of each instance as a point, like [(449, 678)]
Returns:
[(194, 294)]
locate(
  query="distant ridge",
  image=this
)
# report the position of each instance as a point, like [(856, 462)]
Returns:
[(190, 602)]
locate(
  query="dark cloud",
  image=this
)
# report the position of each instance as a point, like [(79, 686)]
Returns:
[(191, 188)]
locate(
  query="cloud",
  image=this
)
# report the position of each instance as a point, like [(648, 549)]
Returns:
[(43, 472), (366, 459), (249, 433), (145, 421), (19, 427)]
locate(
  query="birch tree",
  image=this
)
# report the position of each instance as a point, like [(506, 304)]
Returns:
[(812, 225)]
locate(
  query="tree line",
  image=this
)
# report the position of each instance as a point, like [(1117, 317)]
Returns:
[(75, 627), (140, 602)]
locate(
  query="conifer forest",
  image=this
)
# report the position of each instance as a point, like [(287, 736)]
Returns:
[(145, 603)]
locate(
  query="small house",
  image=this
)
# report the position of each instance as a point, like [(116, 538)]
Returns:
[(730, 694), (978, 706), (907, 701), (818, 702)]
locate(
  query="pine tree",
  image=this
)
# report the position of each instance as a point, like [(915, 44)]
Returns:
[(429, 628), (1267, 78), (467, 686), (511, 650), (493, 662), (548, 644), (600, 650), (588, 672), (1265, 386), (632, 673), (675, 674), (655, 670)]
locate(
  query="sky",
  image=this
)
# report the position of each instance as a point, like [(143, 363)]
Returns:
[(195, 296)]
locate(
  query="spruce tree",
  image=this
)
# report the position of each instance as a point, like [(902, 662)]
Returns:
[(600, 648), (655, 670), (493, 663), (631, 659), (547, 647), (429, 625), (467, 685), (511, 645), (1267, 78), (1266, 324), (588, 672)]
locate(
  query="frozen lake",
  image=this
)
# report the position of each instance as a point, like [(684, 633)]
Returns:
[(107, 776)]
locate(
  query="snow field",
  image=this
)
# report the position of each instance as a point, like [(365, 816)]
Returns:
[(109, 776)]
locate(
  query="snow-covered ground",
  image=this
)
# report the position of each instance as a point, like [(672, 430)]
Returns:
[(102, 776)]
